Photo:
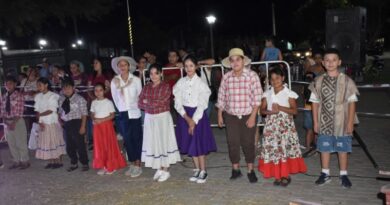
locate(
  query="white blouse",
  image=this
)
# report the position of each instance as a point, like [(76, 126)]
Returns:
[(45, 102), (191, 92), (102, 108), (126, 96), (281, 98)]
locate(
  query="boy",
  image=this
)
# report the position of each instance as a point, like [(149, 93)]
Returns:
[(73, 111), (333, 100), (12, 108), (239, 99)]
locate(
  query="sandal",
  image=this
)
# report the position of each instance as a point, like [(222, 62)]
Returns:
[(277, 182), (285, 181), (72, 168)]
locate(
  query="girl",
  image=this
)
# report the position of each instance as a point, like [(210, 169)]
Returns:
[(106, 153), (51, 143), (193, 132), (159, 148), (125, 90), (280, 151)]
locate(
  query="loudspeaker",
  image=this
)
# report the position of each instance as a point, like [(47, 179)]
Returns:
[(346, 31)]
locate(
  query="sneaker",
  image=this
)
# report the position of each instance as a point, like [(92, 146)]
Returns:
[(85, 168), (195, 176), (130, 171), (252, 177), (137, 172), (323, 179), (345, 183), (158, 174), (14, 165), (110, 173), (101, 172), (202, 177), (164, 176), (236, 173)]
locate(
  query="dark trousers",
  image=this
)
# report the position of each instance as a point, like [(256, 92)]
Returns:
[(75, 143), (131, 131), (239, 135)]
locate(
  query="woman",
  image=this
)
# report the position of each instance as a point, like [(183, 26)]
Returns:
[(193, 131), (29, 89), (159, 149), (51, 145), (125, 89)]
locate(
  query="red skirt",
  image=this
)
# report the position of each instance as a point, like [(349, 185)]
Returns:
[(282, 169), (106, 153)]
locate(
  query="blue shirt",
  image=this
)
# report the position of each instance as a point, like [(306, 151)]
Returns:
[(271, 54), (44, 72)]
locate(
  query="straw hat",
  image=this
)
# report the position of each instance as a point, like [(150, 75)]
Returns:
[(235, 52), (116, 60)]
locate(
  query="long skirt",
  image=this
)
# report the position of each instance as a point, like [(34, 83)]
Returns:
[(202, 142), (51, 144), (280, 151), (106, 153), (159, 148)]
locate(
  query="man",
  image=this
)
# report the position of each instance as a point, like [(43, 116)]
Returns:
[(172, 76), (238, 102), (12, 108), (44, 72)]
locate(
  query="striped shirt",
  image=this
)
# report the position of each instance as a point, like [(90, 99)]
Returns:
[(17, 105)]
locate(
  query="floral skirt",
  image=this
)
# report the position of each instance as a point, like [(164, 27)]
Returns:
[(280, 153)]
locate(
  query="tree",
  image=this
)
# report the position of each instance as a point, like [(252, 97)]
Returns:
[(23, 17)]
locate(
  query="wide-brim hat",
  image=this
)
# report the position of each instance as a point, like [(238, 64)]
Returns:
[(130, 60), (235, 52)]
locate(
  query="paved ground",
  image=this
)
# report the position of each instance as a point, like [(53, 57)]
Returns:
[(39, 186)]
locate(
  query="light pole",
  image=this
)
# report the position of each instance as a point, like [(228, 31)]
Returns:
[(211, 20), (42, 43), (130, 29), (3, 45)]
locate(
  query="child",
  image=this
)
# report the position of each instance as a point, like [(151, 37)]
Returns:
[(280, 153), (74, 113), (12, 108), (193, 132), (308, 118), (106, 154), (50, 145), (333, 97), (159, 149)]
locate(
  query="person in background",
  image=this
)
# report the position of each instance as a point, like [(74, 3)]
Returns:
[(317, 68), (270, 52), (29, 90), (79, 77), (45, 70), (141, 68), (11, 111), (308, 117), (172, 76)]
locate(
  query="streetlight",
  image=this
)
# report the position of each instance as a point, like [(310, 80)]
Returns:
[(42, 43), (211, 20), (79, 42), (74, 45), (4, 48), (2, 42)]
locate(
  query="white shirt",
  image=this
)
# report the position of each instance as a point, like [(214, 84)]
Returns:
[(281, 98), (102, 108), (29, 86), (129, 100), (203, 76), (191, 92), (45, 102)]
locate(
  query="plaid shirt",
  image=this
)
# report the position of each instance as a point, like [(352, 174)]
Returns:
[(155, 100), (17, 105), (238, 95), (78, 108)]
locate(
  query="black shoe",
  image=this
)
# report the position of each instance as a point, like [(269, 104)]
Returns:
[(345, 183), (285, 181), (14, 165), (57, 165), (252, 177), (323, 179), (24, 165), (49, 166), (72, 168), (85, 168), (236, 173)]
